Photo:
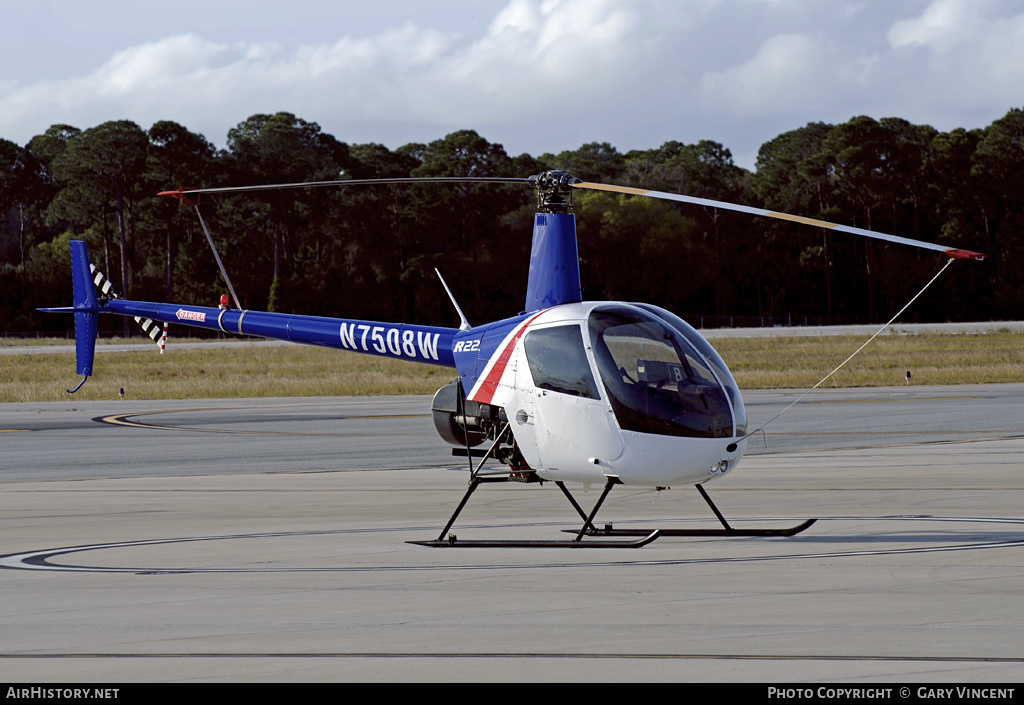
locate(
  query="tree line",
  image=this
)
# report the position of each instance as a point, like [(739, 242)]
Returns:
[(370, 251)]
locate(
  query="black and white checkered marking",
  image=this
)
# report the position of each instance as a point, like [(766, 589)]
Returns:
[(152, 328)]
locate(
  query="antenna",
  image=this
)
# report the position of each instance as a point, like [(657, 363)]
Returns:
[(465, 324)]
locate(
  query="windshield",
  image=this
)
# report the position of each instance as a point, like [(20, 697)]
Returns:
[(656, 380), (713, 359)]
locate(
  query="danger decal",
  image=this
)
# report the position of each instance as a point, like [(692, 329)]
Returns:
[(184, 315)]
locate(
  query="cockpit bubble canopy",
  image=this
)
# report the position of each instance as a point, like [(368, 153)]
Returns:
[(661, 376)]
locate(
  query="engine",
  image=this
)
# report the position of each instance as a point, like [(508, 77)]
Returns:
[(471, 425), (464, 423)]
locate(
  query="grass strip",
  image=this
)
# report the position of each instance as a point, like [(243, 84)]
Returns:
[(244, 369)]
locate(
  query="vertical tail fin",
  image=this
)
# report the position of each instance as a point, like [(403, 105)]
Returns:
[(554, 263), (86, 309)]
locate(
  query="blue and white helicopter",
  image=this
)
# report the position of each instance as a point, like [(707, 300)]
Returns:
[(566, 391)]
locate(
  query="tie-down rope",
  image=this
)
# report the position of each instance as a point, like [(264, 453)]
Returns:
[(877, 333)]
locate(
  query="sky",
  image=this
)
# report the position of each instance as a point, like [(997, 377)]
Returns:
[(535, 76)]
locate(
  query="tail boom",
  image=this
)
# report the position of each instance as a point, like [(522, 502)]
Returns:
[(415, 343)]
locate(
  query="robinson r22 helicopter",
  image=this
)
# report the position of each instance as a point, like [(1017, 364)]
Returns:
[(566, 391)]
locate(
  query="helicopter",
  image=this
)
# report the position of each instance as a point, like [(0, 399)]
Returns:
[(565, 391)]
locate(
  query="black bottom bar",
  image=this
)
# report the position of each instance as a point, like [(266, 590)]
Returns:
[(792, 531), (453, 542)]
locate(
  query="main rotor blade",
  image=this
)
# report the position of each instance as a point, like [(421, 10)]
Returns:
[(949, 251), (184, 192)]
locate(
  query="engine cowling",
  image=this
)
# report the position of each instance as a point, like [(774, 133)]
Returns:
[(465, 422)]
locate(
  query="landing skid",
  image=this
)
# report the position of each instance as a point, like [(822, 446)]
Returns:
[(643, 536), (448, 540), (792, 531), (453, 542), (726, 529)]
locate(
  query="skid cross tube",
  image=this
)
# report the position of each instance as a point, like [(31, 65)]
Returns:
[(446, 540), (473, 484), (704, 494), (727, 530), (490, 451), (589, 521), (572, 501)]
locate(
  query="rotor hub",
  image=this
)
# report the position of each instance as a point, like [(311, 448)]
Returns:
[(554, 191)]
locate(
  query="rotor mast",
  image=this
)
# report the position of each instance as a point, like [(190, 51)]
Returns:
[(554, 277)]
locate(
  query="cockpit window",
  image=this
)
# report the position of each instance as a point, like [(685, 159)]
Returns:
[(656, 381), (558, 361), (712, 357)]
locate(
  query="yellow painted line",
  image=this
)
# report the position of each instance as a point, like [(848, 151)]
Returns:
[(15, 430)]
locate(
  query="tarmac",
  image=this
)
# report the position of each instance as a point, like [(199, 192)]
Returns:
[(266, 541)]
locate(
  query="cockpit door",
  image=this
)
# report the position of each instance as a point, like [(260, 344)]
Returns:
[(572, 424)]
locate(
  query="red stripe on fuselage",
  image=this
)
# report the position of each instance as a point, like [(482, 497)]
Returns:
[(489, 385)]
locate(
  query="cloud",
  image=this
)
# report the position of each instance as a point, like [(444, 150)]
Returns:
[(963, 54), (545, 45), (943, 25), (153, 66), (783, 72), (549, 75), (530, 49)]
